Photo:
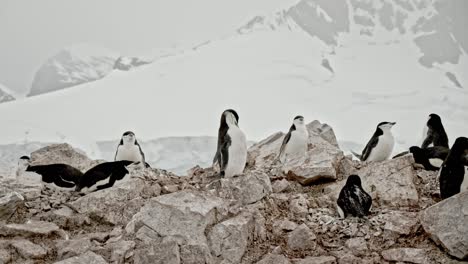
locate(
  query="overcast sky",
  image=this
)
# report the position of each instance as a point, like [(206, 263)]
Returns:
[(32, 30)]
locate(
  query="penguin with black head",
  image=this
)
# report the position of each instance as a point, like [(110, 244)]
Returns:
[(231, 153), (430, 158), (59, 176), (295, 141), (353, 200), (103, 176), (434, 133), (129, 149), (380, 146), (453, 176)]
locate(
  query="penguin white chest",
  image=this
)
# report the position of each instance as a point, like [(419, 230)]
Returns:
[(384, 148), (296, 146), (237, 152), (464, 185), (129, 152)]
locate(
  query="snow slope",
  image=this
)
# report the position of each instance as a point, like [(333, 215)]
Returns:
[(5, 94), (268, 76)]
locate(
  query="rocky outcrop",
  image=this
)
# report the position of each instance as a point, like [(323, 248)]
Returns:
[(5, 95), (445, 222), (62, 153), (9, 203), (128, 63), (261, 216)]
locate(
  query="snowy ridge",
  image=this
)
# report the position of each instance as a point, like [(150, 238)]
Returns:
[(71, 66), (6, 95)]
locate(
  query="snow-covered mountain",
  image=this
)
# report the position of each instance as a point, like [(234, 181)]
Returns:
[(5, 94), (71, 66), (320, 60)]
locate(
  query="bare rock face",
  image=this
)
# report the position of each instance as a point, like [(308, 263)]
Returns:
[(302, 238), (9, 203), (229, 239), (62, 153), (411, 255), (32, 228), (446, 223), (114, 205), (162, 253), (88, 257), (183, 216), (390, 183), (317, 260), (274, 259), (28, 250), (247, 189), (71, 248), (324, 131), (403, 223), (357, 245)]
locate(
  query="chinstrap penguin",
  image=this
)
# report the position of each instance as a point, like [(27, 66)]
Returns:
[(453, 174), (434, 133), (295, 141), (103, 176), (231, 153), (430, 158), (353, 200), (57, 175), (380, 146), (130, 149)]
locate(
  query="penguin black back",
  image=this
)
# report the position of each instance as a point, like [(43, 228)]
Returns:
[(223, 137), (113, 171), (436, 134), (353, 200), (62, 175), (452, 173)]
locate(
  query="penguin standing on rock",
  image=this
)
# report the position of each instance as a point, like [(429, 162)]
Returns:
[(129, 149), (231, 153), (353, 200), (430, 158), (380, 146), (453, 177), (295, 141), (103, 176), (434, 133)]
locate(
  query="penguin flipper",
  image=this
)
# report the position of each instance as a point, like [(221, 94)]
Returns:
[(224, 153), (286, 139), (369, 147), (356, 155)]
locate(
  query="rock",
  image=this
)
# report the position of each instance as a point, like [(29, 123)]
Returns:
[(9, 203), (349, 259), (390, 183), (88, 258), (32, 228), (28, 250), (283, 225), (280, 186), (317, 260), (229, 239), (194, 254), (324, 131), (71, 248), (302, 238), (299, 205), (411, 255), (62, 153), (5, 256), (163, 253), (247, 189), (170, 188), (321, 162), (119, 250), (274, 259), (403, 223), (357, 245), (185, 214), (266, 151), (115, 205), (445, 222)]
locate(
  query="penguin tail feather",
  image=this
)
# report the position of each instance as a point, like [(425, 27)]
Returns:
[(357, 155)]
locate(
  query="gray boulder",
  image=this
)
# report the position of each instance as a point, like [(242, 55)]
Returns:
[(32, 229), (28, 250), (446, 223), (62, 153), (274, 259), (9, 203), (411, 255), (158, 253), (247, 188), (317, 260), (302, 238), (88, 258), (229, 239)]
